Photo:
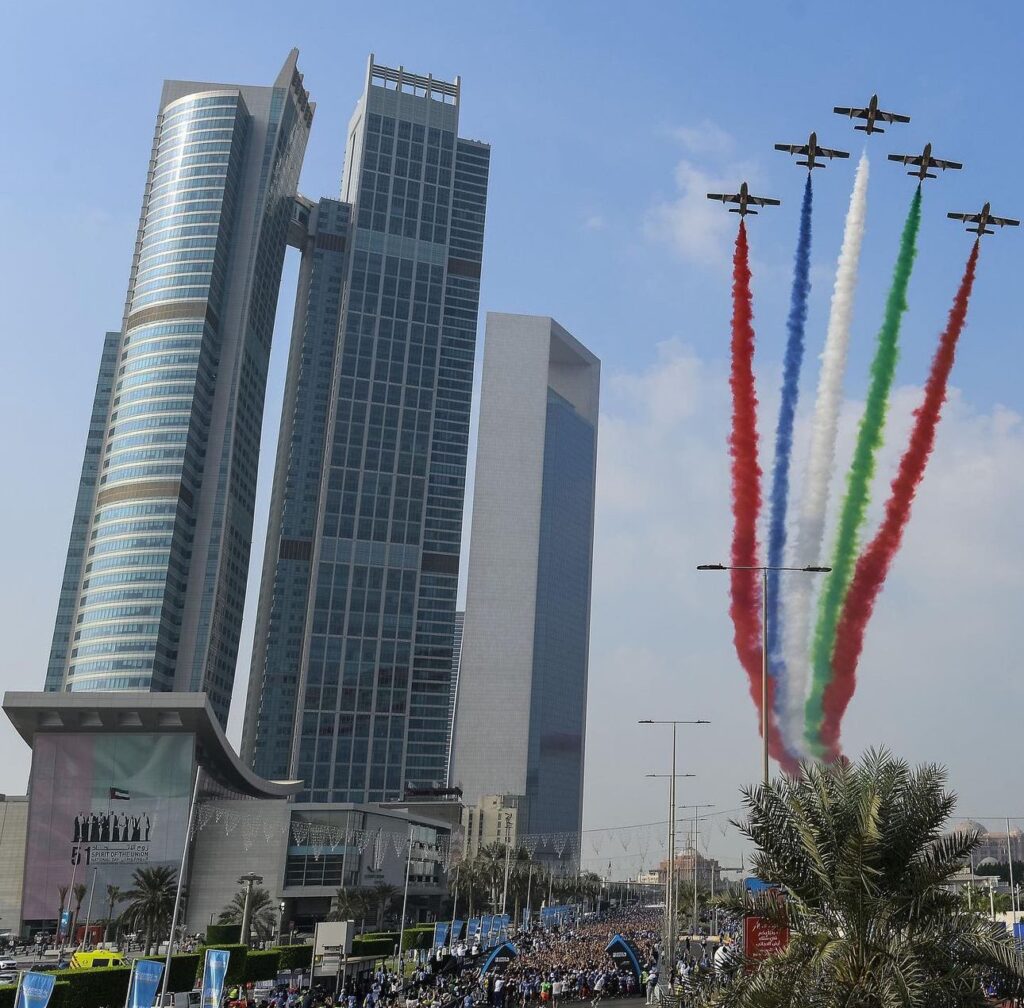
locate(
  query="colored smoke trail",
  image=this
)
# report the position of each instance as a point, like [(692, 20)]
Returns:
[(810, 525), (745, 594), (862, 469), (784, 433), (874, 562)]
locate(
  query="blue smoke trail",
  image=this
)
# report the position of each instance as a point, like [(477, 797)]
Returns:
[(784, 436)]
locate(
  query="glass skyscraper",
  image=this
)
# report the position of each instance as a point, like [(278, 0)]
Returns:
[(352, 661), (155, 580), (520, 714)]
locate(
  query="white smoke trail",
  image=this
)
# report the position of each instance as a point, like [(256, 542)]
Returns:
[(809, 534)]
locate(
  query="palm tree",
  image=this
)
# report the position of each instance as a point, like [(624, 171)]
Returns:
[(114, 896), (860, 856), (348, 905), (150, 902), (78, 892), (383, 897), (262, 913), (63, 890)]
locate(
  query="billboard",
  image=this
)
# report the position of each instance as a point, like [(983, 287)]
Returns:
[(113, 802)]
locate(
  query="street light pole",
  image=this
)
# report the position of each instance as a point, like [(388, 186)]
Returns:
[(668, 951), (248, 880), (88, 912), (764, 640)]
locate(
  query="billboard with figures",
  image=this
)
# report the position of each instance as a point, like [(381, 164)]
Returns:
[(111, 802)]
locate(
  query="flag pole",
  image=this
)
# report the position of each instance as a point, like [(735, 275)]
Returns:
[(181, 879)]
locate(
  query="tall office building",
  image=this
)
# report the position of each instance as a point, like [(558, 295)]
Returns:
[(460, 622), (350, 681), (165, 544), (520, 718)]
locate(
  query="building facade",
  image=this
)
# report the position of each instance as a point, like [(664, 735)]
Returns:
[(351, 676), (460, 623), (494, 819), (708, 870), (158, 604), (521, 709)]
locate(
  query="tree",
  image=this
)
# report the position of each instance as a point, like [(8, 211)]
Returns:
[(114, 896), (79, 891), (262, 913), (150, 902), (859, 852), (349, 905), (63, 890), (383, 897)]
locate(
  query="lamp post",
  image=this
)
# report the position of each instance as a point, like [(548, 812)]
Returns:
[(248, 880), (669, 936), (764, 639), (280, 923), (695, 809), (88, 912)]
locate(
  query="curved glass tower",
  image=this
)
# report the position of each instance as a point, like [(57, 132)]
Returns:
[(165, 552)]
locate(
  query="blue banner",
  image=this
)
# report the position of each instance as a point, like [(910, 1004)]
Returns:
[(525, 924), (456, 930), (440, 934), (485, 932), (214, 971), (34, 990), (143, 984), (472, 929)]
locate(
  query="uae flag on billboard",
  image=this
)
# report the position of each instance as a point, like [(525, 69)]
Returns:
[(116, 794)]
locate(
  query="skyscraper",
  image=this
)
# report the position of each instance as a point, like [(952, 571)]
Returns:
[(520, 718), (350, 681), (166, 542)]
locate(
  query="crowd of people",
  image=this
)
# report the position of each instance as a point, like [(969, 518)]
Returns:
[(552, 967)]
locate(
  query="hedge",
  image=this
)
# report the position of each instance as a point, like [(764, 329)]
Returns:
[(391, 936), (100, 985), (223, 934), (58, 999), (418, 937), (293, 957), (370, 947), (184, 971), (236, 962), (262, 965)]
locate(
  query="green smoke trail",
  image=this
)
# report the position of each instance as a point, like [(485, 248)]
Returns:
[(858, 479)]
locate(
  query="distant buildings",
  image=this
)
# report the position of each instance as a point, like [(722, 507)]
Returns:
[(494, 819), (708, 870), (155, 579), (520, 715)]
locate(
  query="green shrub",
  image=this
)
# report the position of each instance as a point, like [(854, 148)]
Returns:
[(96, 987), (418, 937), (370, 947), (184, 971), (391, 936), (222, 935), (295, 957), (7, 992), (262, 965), (236, 962)]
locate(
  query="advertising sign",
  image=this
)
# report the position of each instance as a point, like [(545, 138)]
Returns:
[(214, 971), (440, 934), (113, 802), (485, 931), (144, 982), (762, 938), (34, 990), (500, 958), (472, 929), (456, 930)]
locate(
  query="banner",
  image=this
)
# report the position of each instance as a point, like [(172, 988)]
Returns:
[(456, 930), (525, 925), (472, 930), (143, 983), (485, 932), (214, 971), (440, 934), (34, 990)]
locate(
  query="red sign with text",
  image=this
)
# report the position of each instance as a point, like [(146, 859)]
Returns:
[(762, 938)]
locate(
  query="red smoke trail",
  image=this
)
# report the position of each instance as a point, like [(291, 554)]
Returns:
[(745, 602), (873, 564)]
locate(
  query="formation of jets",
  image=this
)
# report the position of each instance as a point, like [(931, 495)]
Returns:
[(813, 156)]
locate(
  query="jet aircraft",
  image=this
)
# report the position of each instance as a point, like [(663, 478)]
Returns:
[(982, 219), (924, 161), (744, 199), (872, 114), (812, 152)]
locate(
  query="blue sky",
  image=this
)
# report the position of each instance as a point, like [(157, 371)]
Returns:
[(605, 120)]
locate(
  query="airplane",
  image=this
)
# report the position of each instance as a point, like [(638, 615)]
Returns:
[(744, 199), (872, 114), (982, 219), (924, 161), (811, 151)]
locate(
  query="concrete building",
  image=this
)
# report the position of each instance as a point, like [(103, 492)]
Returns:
[(159, 550), (109, 792), (521, 709), (351, 672), (493, 819), (709, 873), (460, 622)]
